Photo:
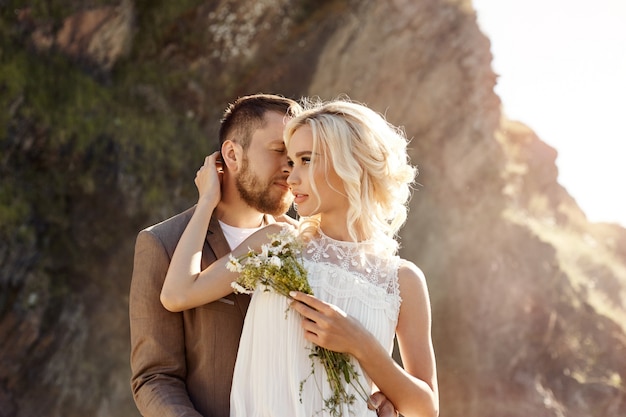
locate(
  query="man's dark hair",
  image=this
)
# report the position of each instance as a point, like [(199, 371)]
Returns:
[(247, 114)]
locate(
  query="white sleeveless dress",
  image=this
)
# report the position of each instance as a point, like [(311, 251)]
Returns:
[(273, 357)]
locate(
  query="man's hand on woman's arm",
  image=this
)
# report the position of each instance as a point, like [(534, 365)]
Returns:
[(382, 405)]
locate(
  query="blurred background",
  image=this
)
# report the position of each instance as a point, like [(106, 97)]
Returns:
[(108, 107), (561, 67)]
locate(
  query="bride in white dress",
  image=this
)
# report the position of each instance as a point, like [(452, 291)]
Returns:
[(273, 358), (350, 178)]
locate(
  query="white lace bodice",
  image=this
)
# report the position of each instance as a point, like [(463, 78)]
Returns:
[(365, 261), (273, 358)]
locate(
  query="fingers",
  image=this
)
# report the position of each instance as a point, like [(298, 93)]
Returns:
[(311, 318), (323, 324), (387, 410), (379, 402), (301, 306), (311, 309), (209, 161), (307, 299), (208, 180), (375, 400)]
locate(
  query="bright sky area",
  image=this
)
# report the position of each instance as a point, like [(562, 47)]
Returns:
[(562, 72)]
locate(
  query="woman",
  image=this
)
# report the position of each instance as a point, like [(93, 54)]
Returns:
[(350, 178)]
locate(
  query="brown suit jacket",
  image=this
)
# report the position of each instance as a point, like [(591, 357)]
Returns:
[(182, 363)]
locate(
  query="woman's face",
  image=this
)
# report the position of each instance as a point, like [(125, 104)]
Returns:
[(307, 169)]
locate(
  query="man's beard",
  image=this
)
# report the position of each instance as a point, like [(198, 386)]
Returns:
[(262, 197)]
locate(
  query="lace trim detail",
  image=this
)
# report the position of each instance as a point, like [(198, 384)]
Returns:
[(366, 261)]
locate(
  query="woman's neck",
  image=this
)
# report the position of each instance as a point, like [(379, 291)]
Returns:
[(338, 229)]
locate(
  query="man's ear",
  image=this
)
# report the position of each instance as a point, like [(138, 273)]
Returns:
[(232, 155)]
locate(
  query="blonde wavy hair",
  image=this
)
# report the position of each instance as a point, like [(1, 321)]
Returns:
[(370, 156)]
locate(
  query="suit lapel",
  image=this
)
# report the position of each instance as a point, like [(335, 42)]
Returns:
[(216, 240), (219, 247)]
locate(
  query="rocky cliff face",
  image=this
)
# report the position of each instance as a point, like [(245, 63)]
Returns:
[(108, 103)]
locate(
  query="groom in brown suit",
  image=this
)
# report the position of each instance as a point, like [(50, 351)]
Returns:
[(182, 363)]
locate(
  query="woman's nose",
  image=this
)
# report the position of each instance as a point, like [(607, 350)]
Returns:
[(292, 178)]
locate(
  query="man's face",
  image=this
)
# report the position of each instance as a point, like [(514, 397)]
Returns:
[(262, 179)]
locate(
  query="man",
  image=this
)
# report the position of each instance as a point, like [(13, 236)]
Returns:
[(182, 363)]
